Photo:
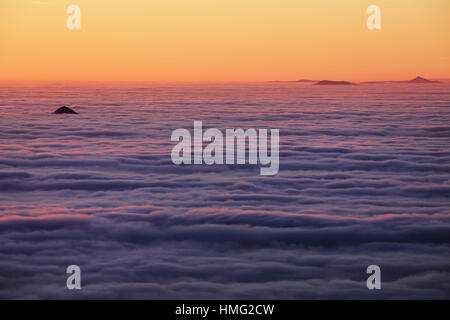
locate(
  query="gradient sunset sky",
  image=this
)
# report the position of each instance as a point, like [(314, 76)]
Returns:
[(232, 40)]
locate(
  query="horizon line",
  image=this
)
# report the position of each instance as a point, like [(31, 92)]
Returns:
[(298, 80)]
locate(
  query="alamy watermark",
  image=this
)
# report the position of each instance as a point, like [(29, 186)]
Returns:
[(213, 152), (74, 280), (74, 20), (374, 20), (374, 280)]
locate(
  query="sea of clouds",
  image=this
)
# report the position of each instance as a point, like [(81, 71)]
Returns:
[(364, 179)]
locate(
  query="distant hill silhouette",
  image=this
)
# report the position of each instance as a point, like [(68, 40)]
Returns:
[(419, 80), (333, 83), (299, 81), (64, 109)]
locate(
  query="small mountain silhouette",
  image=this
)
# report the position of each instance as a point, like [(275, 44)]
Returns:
[(419, 80), (298, 81), (65, 109), (333, 83)]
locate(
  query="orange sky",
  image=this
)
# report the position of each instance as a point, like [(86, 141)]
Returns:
[(223, 40)]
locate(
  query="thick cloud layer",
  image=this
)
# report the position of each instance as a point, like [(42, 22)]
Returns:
[(363, 180)]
